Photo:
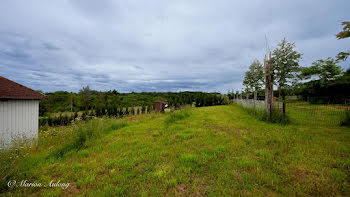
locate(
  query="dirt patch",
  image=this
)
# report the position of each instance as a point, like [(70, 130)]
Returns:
[(181, 190), (72, 190), (226, 129), (299, 175)]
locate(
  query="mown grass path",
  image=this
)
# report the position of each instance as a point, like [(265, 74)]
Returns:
[(209, 151)]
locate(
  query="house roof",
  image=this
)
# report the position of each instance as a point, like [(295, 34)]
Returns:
[(12, 90)]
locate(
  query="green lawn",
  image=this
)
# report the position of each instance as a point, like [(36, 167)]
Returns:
[(208, 151)]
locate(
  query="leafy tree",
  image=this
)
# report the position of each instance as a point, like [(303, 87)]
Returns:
[(254, 77), (326, 70), (285, 63), (341, 35), (85, 93), (43, 107)]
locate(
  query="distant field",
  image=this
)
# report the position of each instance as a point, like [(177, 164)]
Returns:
[(207, 151)]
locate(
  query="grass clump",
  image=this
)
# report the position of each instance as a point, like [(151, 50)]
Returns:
[(275, 117), (115, 126), (346, 120), (81, 134), (175, 116)]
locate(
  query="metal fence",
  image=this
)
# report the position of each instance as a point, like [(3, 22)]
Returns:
[(257, 104), (305, 113)]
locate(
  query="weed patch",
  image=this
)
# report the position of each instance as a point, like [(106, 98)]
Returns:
[(275, 117), (346, 120), (175, 116)]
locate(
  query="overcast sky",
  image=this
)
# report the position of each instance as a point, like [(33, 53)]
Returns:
[(160, 45)]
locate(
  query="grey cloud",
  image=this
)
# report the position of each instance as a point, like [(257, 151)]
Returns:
[(157, 45)]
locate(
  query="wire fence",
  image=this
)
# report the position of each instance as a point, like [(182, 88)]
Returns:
[(304, 112)]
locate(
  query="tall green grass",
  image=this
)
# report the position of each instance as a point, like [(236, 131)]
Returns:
[(175, 116), (275, 117), (18, 162), (346, 120)]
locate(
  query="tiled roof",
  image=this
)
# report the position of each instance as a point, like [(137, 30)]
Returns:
[(12, 90)]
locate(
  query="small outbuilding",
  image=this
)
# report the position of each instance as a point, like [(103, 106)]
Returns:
[(159, 106), (19, 113)]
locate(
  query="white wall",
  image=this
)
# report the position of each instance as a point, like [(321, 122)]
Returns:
[(18, 121)]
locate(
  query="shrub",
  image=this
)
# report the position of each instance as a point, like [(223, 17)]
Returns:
[(75, 115), (42, 121), (121, 112), (49, 121), (83, 117)]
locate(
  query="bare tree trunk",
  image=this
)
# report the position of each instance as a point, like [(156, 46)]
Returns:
[(268, 85)]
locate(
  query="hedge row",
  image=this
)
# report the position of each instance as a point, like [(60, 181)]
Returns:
[(64, 119)]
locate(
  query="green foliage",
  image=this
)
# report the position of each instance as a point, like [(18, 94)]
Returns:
[(334, 89), (254, 77), (285, 62), (325, 70), (102, 102), (345, 33), (346, 121)]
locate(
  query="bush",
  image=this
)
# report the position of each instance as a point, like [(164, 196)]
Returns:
[(83, 117), (75, 115), (121, 112)]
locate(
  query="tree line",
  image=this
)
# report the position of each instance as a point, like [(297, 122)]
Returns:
[(102, 102)]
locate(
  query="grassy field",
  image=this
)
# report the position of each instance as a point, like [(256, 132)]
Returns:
[(208, 151)]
